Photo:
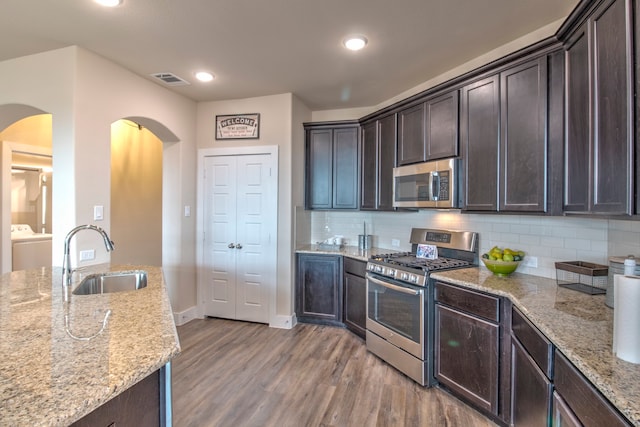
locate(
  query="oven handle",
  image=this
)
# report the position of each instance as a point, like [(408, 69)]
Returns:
[(394, 287)]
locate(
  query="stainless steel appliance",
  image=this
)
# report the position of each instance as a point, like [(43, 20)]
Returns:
[(426, 185), (400, 299)]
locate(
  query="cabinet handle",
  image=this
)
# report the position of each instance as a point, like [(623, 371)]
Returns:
[(238, 246), (231, 246)]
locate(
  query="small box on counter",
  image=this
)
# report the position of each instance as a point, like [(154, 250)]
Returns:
[(582, 276)]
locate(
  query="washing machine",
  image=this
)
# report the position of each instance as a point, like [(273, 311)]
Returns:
[(29, 249)]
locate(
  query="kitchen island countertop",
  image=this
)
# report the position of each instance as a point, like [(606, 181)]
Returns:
[(580, 326), (49, 378)]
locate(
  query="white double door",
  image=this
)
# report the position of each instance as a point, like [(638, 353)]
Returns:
[(240, 225)]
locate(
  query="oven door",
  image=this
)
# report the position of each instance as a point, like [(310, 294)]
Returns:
[(396, 313)]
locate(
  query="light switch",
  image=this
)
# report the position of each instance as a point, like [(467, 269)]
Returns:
[(98, 213), (187, 210)]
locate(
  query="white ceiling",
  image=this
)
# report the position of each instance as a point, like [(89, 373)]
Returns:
[(265, 47)]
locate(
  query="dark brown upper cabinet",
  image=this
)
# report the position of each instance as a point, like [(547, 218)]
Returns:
[(429, 130), (523, 142), (442, 126), (378, 160), (503, 135), (332, 172), (599, 95), (411, 137), (479, 140)]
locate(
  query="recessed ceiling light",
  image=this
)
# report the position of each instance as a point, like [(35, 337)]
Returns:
[(204, 76), (109, 3), (355, 42)]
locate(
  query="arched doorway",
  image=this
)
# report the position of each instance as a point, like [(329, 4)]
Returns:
[(136, 194), (137, 187), (26, 135)]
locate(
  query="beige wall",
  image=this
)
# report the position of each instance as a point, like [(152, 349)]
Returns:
[(277, 127), (85, 93), (136, 194)]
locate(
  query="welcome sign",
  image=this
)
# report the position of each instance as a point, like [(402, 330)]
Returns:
[(238, 126)]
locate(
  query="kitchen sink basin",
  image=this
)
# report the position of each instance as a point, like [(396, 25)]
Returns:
[(112, 282)]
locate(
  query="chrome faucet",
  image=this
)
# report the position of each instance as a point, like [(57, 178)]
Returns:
[(66, 263)]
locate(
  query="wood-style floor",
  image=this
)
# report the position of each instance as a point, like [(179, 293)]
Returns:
[(239, 374)]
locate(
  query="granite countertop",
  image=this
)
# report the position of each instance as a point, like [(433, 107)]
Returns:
[(48, 378), (580, 326), (348, 251)]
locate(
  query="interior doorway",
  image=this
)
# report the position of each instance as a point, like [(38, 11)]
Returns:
[(27, 196), (136, 194)]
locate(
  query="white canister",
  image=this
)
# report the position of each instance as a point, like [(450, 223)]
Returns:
[(620, 265)]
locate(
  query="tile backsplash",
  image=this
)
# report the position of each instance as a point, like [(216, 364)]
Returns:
[(549, 239)]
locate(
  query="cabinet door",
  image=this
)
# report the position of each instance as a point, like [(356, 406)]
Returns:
[(442, 126), (378, 160), (599, 93), (319, 288), (479, 132), (523, 142), (612, 107), (530, 390), (411, 137), (466, 357), (319, 194), (355, 304), (578, 158), (345, 168), (369, 176), (387, 131)]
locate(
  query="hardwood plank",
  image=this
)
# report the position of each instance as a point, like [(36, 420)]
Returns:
[(235, 374)]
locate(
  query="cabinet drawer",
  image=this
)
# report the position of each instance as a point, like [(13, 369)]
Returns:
[(354, 266), (536, 344), (591, 408), (483, 305)]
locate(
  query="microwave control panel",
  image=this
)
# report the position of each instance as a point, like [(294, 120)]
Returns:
[(443, 187)]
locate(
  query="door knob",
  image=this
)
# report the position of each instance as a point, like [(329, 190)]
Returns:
[(231, 246), (238, 246)]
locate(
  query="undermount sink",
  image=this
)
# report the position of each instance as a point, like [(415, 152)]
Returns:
[(112, 282)]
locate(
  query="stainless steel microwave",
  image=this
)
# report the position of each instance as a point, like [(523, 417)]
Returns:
[(426, 185)]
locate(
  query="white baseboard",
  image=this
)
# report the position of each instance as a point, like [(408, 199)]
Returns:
[(284, 322), (180, 318)]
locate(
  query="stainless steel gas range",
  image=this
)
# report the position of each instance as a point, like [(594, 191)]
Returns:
[(400, 297)]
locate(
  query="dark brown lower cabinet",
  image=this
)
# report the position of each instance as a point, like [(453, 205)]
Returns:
[(472, 348), (466, 356), (138, 406), (581, 397), (355, 296), (531, 373), (530, 390), (319, 289)]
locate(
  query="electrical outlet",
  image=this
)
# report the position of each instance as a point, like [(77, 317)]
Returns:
[(530, 261), (87, 255), (395, 243)]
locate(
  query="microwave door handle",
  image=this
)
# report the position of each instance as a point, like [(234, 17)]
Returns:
[(394, 287), (435, 186), (431, 195)]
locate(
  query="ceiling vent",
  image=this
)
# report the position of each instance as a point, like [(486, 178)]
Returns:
[(170, 79)]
